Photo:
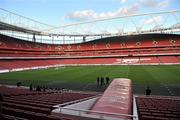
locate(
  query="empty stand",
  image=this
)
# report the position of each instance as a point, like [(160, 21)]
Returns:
[(158, 108), (25, 48), (22, 104), (16, 54)]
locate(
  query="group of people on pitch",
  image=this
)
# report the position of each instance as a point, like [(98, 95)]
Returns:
[(103, 81)]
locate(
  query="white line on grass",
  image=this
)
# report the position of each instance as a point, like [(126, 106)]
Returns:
[(127, 74), (170, 92)]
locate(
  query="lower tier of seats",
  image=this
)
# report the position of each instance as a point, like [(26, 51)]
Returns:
[(11, 64), (23, 104)]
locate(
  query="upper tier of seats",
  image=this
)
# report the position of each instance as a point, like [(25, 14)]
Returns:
[(134, 41), (119, 45)]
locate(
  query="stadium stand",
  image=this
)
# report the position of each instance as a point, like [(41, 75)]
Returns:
[(16, 54), (22, 104), (15, 45), (19, 103), (158, 108)]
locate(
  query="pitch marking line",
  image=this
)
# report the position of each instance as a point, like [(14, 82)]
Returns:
[(170, 92), (127, 74)]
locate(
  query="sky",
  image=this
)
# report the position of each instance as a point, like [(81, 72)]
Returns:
[(60, 12)]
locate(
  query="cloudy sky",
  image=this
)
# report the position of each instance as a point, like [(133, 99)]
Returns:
[(59, 12)]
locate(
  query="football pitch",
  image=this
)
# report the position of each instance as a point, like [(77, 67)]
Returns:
[(165, 76)]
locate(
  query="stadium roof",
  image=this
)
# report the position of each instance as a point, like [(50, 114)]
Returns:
[(132, 24), (50, 29)]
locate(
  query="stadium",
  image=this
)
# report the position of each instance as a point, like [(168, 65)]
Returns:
[(112, 68)]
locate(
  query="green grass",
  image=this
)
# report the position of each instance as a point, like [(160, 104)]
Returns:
[(140, 75)]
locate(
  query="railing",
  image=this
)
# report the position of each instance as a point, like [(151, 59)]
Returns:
[(75, 101), (77, 57), (159, 97), (96, 114)]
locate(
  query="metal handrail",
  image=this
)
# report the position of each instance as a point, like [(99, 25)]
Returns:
[(97, 112)]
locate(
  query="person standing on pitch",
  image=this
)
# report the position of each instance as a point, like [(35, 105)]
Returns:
[(107, 80), (102, 81), (148, 91), (98, 81)]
